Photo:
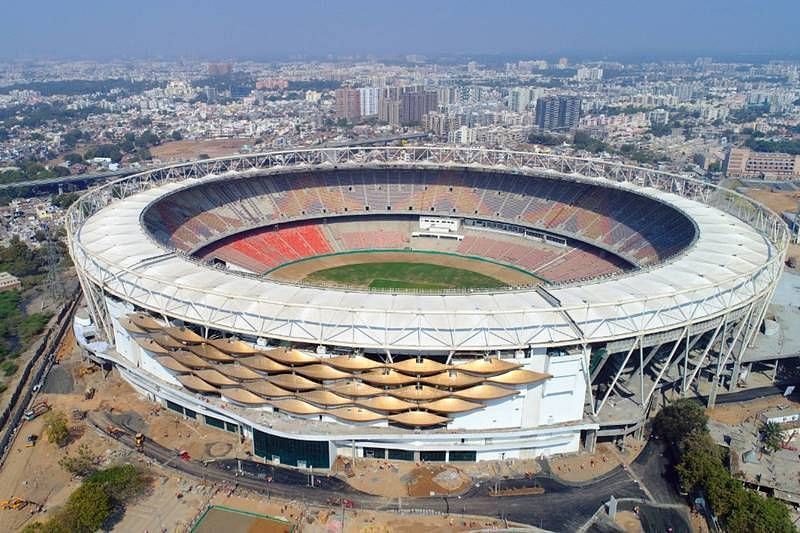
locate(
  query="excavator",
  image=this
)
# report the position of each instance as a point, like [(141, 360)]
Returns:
[(15, 504)]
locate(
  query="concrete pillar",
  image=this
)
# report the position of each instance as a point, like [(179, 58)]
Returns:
[(590, 440)]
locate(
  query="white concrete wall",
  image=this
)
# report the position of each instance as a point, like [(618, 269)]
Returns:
[(563, 395)]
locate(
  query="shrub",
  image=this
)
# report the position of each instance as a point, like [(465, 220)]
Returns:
[(55, 426)]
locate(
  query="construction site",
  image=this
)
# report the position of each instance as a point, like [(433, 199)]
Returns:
[(109, 418)]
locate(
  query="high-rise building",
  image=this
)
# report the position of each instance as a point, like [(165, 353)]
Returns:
[(219, 69), (519, 98), (389, 110), (558, 112), (369, 97), (589, 74), (348, 104), (415, 104)]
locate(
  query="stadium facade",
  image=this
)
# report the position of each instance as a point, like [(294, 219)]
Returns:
[(647, 281)]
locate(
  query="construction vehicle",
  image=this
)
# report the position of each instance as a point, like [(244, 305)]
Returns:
[(78, 415), (30, 442), (38, 409), (13, 504), (86, 370), (114, 431), (89, 394), (139, 441)]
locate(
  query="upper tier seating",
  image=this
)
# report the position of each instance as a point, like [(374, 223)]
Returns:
[(639, 228)]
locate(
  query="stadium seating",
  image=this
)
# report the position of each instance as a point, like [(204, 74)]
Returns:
[(211, 217)]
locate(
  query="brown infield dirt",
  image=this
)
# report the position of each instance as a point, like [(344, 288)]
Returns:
[(298, 271)]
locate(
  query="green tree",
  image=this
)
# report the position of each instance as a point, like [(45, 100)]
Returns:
[(82, 464), (120, 483), (55, 426), (680, 418), (87, 508), (771, 436)]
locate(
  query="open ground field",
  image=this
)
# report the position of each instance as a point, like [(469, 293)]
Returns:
[(186, 149), (778, 201), (403, 270)]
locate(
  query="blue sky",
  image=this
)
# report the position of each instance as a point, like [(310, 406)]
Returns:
[(266, 30)]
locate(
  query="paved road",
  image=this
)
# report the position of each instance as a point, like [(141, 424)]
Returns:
[(654, 468), (561, 508)]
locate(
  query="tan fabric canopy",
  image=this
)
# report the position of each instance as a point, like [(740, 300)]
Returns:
[(452, 378), (356, 389), (150, 345), (418, 394), (234, 346), (207, 351), (171, 364), (209, 375), (189, 359), (291, 357), (325, 398), (293, 382), (265, 364), (419, 366), (145, 322), (386, 403), (243, 396), (129, 326), (484, 392), (295, 406), (357, 363), (355, 414), (488, 365), (184, 335), (323, 372), (519, 377), (418, 419), (238, 372), (451, 405), (196, 384), (387, 376), (169, 342), (265, 388)]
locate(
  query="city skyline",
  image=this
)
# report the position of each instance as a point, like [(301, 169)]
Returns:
[(248, 30)]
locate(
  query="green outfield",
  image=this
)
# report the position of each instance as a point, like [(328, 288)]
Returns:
[(404, 276)]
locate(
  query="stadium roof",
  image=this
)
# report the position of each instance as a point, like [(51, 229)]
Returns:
[(726, 267)]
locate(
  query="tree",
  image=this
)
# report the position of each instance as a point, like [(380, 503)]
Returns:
[(73, 158), (677, 420), (82, 464), (771, 436), (120, 483), (65, 200), (55, 425), (87, 508)]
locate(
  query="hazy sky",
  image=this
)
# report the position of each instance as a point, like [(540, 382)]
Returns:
[(262, 29)]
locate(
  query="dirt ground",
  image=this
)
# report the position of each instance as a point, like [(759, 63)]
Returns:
[(733, 414), (394, 479), (186, 149), (778, 201), (299, 271), (629, 522), (585, 466), (330, 520)]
